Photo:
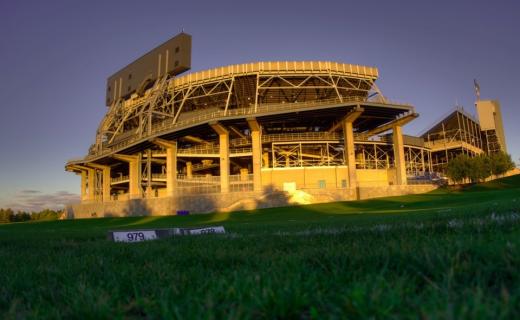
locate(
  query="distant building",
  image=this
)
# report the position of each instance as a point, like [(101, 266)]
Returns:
[(257, 134)]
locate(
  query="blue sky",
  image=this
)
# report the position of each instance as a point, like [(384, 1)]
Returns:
[(55, 57)]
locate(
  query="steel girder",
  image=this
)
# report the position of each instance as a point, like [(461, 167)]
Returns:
[(165, 103)]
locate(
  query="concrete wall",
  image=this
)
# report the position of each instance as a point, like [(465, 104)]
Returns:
[(235, 201), (372, 177), (331, 177)]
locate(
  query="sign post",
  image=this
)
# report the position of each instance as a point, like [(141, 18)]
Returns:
[(131, 236)]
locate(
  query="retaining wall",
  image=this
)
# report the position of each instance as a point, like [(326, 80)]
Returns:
[(235, 201)]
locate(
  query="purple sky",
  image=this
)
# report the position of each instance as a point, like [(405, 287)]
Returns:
[(55, 57)]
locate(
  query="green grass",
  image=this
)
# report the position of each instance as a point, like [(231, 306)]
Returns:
[(446, 254)]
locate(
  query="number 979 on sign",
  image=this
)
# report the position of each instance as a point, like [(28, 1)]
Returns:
[(134, 236)]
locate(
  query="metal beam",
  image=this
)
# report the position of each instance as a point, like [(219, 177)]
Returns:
[(97, 166), (219, 128), (125, 157), (237, 132), (253, 124), (390, 125), (195, 139), (349, 117), (76, 167), (163, 143)]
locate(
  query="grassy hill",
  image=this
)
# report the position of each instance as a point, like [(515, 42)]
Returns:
[(445, 254)]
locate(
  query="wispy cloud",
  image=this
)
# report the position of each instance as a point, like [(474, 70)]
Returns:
[(34, 200), (22, 192)]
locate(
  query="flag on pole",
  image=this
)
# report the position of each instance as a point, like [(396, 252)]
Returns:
[(477, 88)]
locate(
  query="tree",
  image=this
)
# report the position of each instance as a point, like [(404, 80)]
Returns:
[(479, 168), (501, 163), (458, 168), (10, 214), (46, 214), (21, 216)]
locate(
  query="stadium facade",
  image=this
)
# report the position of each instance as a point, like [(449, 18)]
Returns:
[(259, 135)]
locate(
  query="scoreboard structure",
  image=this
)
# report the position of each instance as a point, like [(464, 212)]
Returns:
[(170, 58)]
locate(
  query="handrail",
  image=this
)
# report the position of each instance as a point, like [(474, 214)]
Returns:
[(119, 179), (168, 124), (211, 150)]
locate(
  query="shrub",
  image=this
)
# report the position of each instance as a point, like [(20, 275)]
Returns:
[(501, 163), (478, 168), (458, 168)]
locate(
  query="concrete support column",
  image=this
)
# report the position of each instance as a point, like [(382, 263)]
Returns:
[(400, 166), (171, 169), (134, 179), (134, 174), (107, 180), (350, 154), (224, 162), (189, 170), (149, 190), (171, 163), (256, 141), (83, 184), (91, 184), (223, 135)]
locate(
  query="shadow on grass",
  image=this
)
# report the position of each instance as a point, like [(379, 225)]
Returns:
[(436, 202)]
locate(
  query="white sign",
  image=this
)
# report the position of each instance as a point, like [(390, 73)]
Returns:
[(209, 230), (134, 236), (197, 231)]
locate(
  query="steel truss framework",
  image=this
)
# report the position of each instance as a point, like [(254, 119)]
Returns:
[(368, 154), (458, 133), (307, 154), (167, 103), (374, 155), (202, 177), (308, 132), (418, 161), (491, 142)]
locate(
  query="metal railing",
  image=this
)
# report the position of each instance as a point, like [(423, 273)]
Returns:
[(240, 150), (374, 164), (371, 138), (168, 124), (205, 116), (199, 150), (119, 179), (198, 179), (203, 184), (301, 136)]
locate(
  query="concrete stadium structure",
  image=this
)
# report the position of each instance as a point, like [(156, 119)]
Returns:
[(263, 134)]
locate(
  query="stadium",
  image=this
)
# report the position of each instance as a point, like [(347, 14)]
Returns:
[(259, 135)]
